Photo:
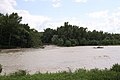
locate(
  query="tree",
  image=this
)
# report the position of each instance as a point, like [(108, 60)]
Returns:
[(12, 22), (72, 35), (35, 38), (47, 35), (9, 25), (14, 34)]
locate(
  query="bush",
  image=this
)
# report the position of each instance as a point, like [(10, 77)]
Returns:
[(83, 41), (67, 43), (60, 42), (54, 39), (19, 73), (74, 42), (115, 67), (93, 42)]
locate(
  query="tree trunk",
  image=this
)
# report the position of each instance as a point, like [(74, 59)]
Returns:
[(9, 43), (1, 35)]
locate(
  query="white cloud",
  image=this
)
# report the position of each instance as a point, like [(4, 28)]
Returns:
[(83, 1), (56, 0), (60, 22), (117, 12), (105, 20), (6, 6), (118, 8), (28, 0), (100, 14), (35, 21), (56, 3)]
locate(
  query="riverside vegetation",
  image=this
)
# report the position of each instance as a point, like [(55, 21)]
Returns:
[(80, 74), (14, 34), (72, 35)]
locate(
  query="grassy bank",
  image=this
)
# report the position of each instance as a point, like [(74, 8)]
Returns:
[(81, 74)]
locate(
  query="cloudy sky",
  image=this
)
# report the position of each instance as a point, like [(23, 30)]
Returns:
[(40, 14)]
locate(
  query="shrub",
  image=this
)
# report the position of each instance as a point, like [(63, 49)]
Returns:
[(60, 42), (74, 42), (93, 42), (83, 41), (54, 39), (67, 43), (115, 67), (19, 73)]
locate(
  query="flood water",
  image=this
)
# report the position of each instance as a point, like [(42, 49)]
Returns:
[(53, 59)]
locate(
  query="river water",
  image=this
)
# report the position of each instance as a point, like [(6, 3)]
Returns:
[(53, 59)]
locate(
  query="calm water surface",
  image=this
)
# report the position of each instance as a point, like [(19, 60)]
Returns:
[(54, 59)]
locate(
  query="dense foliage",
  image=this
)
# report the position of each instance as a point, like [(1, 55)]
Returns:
[(15, 34), (80, 74), (72, 35)]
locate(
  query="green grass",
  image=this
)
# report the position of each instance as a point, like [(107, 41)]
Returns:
[(80, 74)]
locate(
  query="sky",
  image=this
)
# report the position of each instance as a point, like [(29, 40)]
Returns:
[(41, 14)]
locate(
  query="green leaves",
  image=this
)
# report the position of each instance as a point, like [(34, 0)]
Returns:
[(72, 35), (14, 34), (115, 67), (47, 35)]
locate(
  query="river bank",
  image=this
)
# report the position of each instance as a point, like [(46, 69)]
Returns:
[(81, 74)]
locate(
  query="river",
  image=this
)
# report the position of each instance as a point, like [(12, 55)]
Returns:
[(53, 58)]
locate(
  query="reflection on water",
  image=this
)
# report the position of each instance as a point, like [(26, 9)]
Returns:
[(54, 59)]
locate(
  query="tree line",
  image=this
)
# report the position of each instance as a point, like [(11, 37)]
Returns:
[(14, 34), (72, 35)]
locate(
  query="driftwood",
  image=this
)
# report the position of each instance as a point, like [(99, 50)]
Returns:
[(98, 47)]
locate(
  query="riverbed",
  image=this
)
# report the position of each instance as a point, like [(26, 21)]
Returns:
[(54, 59)]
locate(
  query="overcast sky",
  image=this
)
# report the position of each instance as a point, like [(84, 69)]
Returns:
[(40, 14)]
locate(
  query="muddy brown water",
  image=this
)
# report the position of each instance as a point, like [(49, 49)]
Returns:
[(54, 59)]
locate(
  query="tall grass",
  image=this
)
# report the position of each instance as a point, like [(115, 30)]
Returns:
[(80, 74)]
